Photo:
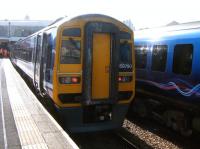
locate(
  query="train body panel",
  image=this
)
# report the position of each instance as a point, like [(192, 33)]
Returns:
[(27, 67), (80, 64), (167, 72)]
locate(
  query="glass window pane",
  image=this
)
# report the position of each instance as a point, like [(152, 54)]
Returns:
[(159, 57), (70, 52), (141, 56), (182, 61), (125, 57)]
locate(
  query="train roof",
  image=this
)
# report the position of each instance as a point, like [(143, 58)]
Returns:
[(182, 31), (86, 17)]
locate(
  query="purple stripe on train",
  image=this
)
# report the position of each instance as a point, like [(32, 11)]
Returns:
[(182, 87)]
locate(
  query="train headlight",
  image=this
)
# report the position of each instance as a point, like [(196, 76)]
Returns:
[(69, 80), (123, 79)]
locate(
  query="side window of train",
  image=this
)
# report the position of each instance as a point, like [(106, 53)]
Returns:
[(159, 58), (182, 60), (35, 42), (141, 56), (49, 51), (38, 44)]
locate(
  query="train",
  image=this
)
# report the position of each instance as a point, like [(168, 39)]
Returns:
[(86, 66), (168, 76)]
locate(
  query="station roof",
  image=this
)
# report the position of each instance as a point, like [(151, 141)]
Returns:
[(13, 30), (26, 22)]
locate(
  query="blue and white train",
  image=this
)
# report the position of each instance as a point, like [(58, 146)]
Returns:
[(168, 75)]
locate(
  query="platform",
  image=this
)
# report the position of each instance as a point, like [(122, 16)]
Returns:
[(24, 122)]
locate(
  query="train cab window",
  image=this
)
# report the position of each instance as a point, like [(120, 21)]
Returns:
[(141, 56), (159, 57), (70, 52), (125, 57), (182, 61)]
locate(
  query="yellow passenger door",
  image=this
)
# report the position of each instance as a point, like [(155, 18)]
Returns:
[(101, 66)]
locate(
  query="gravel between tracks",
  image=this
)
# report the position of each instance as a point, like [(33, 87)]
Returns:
[(151, 139)]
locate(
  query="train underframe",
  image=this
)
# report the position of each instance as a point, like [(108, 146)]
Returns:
[(180, 116), (93, 118)]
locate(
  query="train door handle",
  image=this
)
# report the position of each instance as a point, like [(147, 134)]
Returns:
[(107, 69)]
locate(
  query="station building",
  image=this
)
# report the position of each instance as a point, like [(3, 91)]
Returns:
[(14, 30)]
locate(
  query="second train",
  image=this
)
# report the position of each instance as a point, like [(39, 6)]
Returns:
[(167, 76)]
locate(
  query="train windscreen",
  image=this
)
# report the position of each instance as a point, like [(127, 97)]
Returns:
[(125, 56), (70, 52)]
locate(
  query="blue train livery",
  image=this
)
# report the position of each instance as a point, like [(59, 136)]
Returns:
[(168, 76)]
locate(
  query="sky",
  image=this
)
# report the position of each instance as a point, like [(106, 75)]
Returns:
[(142, 13)]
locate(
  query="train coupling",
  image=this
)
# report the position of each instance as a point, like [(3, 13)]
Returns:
[(97, 113)]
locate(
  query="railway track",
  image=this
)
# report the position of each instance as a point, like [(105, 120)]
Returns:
[(158, 136), (131, 139), (128, 141), (103, 140)]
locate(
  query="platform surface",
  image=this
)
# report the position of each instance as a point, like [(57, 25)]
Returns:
[(24, 122)]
